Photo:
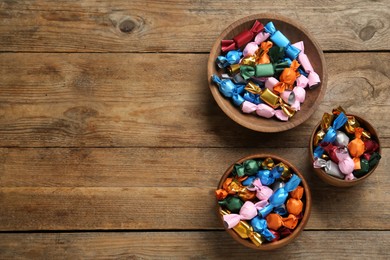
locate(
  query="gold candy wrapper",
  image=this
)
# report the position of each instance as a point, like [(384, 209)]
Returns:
[(270, 98), (234, 68), (253, 88), (244, 230), (249, 61), (286, 174), (268, 163)]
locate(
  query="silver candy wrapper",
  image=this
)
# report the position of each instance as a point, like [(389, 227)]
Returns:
[(341, 139), (329, 166)]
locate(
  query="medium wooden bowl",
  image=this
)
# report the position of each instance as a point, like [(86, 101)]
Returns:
[(294, 32), (336, 181), (306, 200)]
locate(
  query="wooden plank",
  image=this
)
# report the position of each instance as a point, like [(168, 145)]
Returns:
[(187, 245), (101, 100), (138, 167), (172, 197), (186, 26)]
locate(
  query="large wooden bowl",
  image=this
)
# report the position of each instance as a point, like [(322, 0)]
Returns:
[(294, 32), (306, 210), (336, 181)]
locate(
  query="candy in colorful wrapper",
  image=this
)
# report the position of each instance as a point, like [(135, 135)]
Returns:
[(294, 203), (313, 77), (364, 169), (346, 164), (262, 56), (247, 212), (229, 89), (374, 159), (280, 40), (232, 203), (287, 78), (260, 225), (342, 139), (370, 146), (325, 124), (262, 192), (267, 177), (250, 49), (279, 197), (331, 134), (247, 168), (356, 147), (248, 181), (253, 98), (275, 221), (262, 109), (244, 230), (288, 97), (233, 187), (242, 38), (232, 57), (268, 163), (329, 166), (330, 149)]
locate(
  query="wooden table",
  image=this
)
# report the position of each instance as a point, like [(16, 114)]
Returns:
[(112, 145)]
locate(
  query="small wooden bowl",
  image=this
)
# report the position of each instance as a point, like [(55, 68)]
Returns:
[(306, 200), (336, 181), (294, 32)]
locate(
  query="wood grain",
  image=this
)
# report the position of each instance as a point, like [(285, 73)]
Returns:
[(103, 100), (127, 191), (188, 245), (188, 26)]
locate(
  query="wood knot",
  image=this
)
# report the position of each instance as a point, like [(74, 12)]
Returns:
[(127, 26), (367, 32)]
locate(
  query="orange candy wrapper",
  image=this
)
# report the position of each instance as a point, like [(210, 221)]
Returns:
[(356, 147), (287, 78)]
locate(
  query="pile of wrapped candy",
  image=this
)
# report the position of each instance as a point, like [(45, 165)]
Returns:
[(343, 148), (264, 73), (261, 200)]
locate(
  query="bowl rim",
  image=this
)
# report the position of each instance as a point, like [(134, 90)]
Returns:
[(297, 230), (283, 126), (334, 181)]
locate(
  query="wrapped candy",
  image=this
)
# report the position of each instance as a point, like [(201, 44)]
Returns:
[(247, 168), (294, 203), (371, 146), (262, 109), (250, 49), (242, 38), (232, 57), (279, 39), (268, 163), (374, 159), (346, 164), (275, 221), (260, 225), (280, 196), (233, 204), (244, 230), (313, 77), (229, 89), (262, 192), (330, 149), (341, 139), (286, 174), (247, 212), (329, 166), (364, 169), (331, 134), (356, 147), (267, 177), (262, 53), (325, 124), (253, 98), (287, 78), (233, 186)]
